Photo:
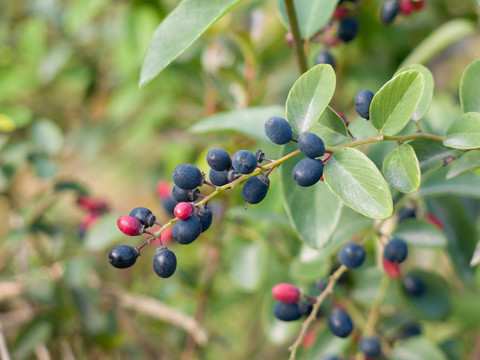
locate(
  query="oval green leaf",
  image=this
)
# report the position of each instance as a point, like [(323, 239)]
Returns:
[(431, 154), (417, 348), (395, 103), (309, 97), (467, 162), (470, 88), (420, 233), (464, 132), (402, 170), (330, 127), (463, 185), (355, 179)]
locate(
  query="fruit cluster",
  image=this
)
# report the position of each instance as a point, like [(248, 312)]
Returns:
[(95, 208), (391, 9)]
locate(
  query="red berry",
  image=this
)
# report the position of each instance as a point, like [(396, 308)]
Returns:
[(167, 236), (163, 189), (91, 204), (89, 220), (435, 221), (308, 339), (286, 293), (406, 7), (391, 269), (130, 225), (418, 5), (340, 13), (183, 210)]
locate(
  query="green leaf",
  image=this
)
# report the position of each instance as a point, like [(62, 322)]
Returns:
[(463, 185), (189, 20), (309, 97), (402, 170), (427, 96), (420, 233), (417, 348), (36, 333), (250, 121), (464, 132), (467, 162), (330, 127), (311, 15), (103, 234), (395, 103), (355, 179), (47, 136), (246, 267), (470, 88), (310, 265), (431, 154)]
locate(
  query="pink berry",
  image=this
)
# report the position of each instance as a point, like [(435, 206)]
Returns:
[(418, 5), (89, 220), (130, 225), (340, 13), (183, 210), (286, 293), (406, 7), (391, 269), (163, 189), (167, 236)]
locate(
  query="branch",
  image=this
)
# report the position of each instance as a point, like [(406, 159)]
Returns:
[(3, 345), (297, 39)]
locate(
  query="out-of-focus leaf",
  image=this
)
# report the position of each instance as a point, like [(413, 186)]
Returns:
[(467, 162), (420, 233), (470, 88), (47, 136), (312, 264), (431, 154), (417, 348), (37, 333), (464, 132), (246, 266), (104, 234), (435, 184)]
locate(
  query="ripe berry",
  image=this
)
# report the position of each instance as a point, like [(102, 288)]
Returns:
[(204, 214), (410, 330), (287, 311), (130, 225), (218, 159), (181, 195), (396, 251), (183, 210), (143, 215), (391, 269), (363, 99), (169, 204), (340, 323), (348, 29), (278, 130), (123, 256), (164, 262), (244, 162), (413, 285), (286, 293), (406, 213), (307, 172), (406, 7), (305, 308), (187, 177), (325, 57), (351, 255), (255, 189), (187, 231), (389, 11), (311, 145), (370, 346), (218, 178)]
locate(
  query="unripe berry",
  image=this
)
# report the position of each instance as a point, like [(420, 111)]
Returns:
[(348, 29), (389, 11), (164, 262), (183, 210), (244, 162), (391, 269), (396, 251), (325, 57), (255, 189), (167, 235), (340, 13), (363, 99), (311, 145), (218, 159), (413, 285), (123, 256), (351, 255), (130, 226), (307, 172), (287, 311), (187, 177), (418, 4), (163, 189), (187, 231), (370, 347), (406, 7), (204, 214), (340, 323), (143, 215), (181, 195), (278, 130), (287, 293), (432, 219)]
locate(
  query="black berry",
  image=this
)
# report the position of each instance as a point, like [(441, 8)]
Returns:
[(278, 130), (305, 308), (325, 57), (409, 330), (340, 323), (205, 216), (363, 99), (351, 255), (164, 262), (348, 29), (218, 159), (389, 11), (287, 311), (143, 215), (187, 231), (311, 145), (307, 172), (406, 213), (169, 204), (396, 251), (181, 195), (413, 285), (244, 162), (370, 347), (123, 256), (255, 189), (187, 177), (218, 178)]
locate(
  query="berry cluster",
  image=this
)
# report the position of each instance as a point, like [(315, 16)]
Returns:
[(391, 9), (94, 207)]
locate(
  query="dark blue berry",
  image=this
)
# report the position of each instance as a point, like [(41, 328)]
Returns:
[(187, 231), (406, 213), (305, 308), (370, 346), (351, 255), (410, 330), (244, 162), (331, 357), (123, 256), (307, 172), (218, 159), (389, 11), (348, 29), (255, 189), (187, 177), (340, 323), (143, 215), (325, 57), (278, 130), (363, 99), (164, 262), (311, 145), (395, 251), (287, 311), (413, 285), (205, 216), (169, 204), (181, 195), (218, 178), (232, 175)]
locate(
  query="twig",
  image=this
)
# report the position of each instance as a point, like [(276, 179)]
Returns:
[(3, 345), (297, 39)]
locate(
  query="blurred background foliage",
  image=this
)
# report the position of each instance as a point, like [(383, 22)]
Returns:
[(74, 122)]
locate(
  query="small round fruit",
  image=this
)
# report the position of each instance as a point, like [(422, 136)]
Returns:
[(180, 194), (370, 347), (287, 311), (340, 323), (218, 159), (406, 7), (244, 162), (204, 214), (413, 285), (143, 215), (187, 231), (218, 178), (351, 255), (187, 177), (255, 189), (348, 29), (183, 210), (130, 226), (169, 204), (311, 145), (389, 11), (164, 262), (396, 251), (287, 293), (418, 4), (307, 172), (278, 130), (363, 99), (325, 57), (409, 330), (406, 213), (391, 269), (123, 256)]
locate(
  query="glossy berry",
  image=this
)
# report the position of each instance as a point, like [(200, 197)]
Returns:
[(406, 7), (311, 145), (278, 130), (218, 159), (180, 194), (351, 255), (413, 285), (307, 172), (130, 226), (123, 256), (244, 162), (389, 11), (287, 311), (255, 189), (340, 323), (187, 231), (143, 215), (363, 99), (325, 57), (183, 210), (286, 293), (218, 178), (187, 177), (164, 262), (348, 29), (391, 269), (204, 214), (169, 204), (370, 347), (396, 251)]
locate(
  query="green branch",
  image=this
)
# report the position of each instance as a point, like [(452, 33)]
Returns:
[(297, 39)]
